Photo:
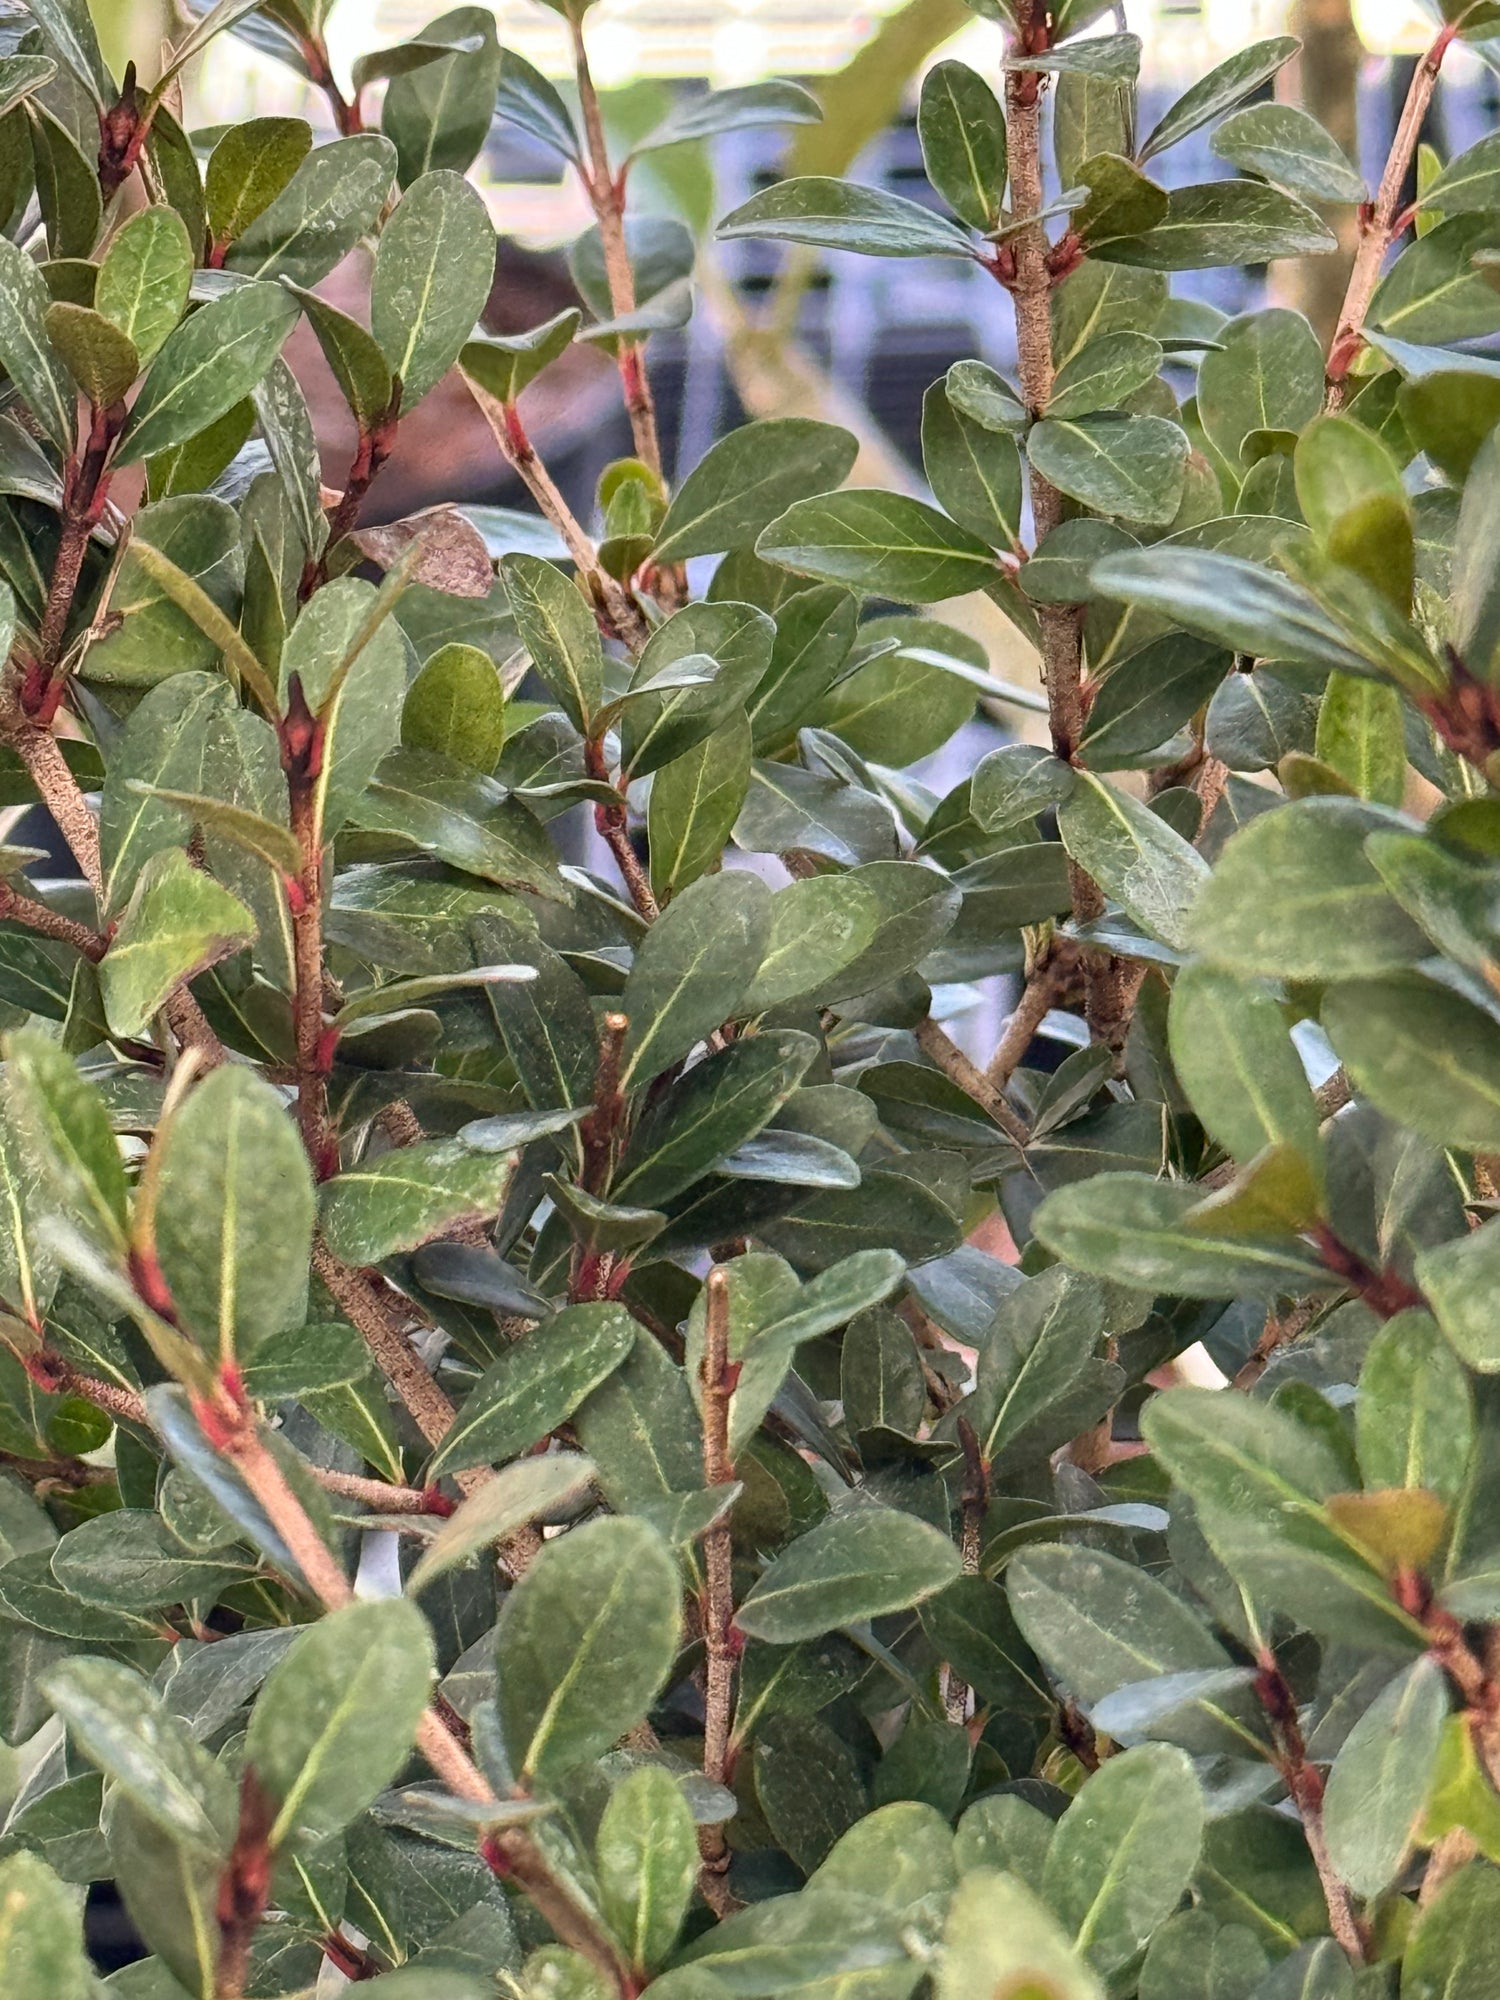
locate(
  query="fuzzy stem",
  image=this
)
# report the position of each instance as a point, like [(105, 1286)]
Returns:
[(19, 909), (1304, 1782), (973, 1082), (1031, 288), (606, 192), (1379, 223), (47, 768), (718, 1591), (511, 1851), (301, 759), (1045, 987), (612, 602), (974, 1498), (614, 828)]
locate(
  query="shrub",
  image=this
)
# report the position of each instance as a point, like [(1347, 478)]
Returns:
[(794, 1598)]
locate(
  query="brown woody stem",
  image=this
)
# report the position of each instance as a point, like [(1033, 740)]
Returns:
[(1382, 222), (1045, 987), (606, 193), (971, 1080), (718, 1591), (613, 603), (1031, 284), (1304, 1783), (612, 821)]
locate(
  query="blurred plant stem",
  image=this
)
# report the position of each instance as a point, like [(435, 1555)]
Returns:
[(1325, 81)]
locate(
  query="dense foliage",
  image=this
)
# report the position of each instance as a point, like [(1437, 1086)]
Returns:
[(763, 1590)]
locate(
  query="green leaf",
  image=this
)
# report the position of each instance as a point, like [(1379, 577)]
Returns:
[(536, 1385), (725, 645), (1378, 1787), (142, 287), (164, 744), (250, 166), (456, 707), (1267, 377), (66, 1135), (118, 1723), (855, 1566), (830, 214), (1294, 896), (234, 1212), (745, 480), (1103, 373), (883, 543), (439, 114), (41, 1934), (820, 928), (1236, 1059), (1144, 1233), (503, 365), (585, 1640), (1286, 145), (718, 1104), (974, 472), (404, 1198), (547, 1023), (26, 355), (332, 200), (1434, 292), (208, 365), (745, 107), (1476, 572), (1122, 204), (1132, 467), (1125, 1851), (67, 184), (433, 274), (1225, 86), (101, 360), (1415, 1414), (1195, 1957), (1258, 1479), (1361, 735), (354, 356), (1225, 223), (1134, 856), (1040, 1348), (647, 1856), (962, 130), (559, 632), (462, 816), (337, 1716), (1101, 1624), (519, 1494), (183, 548), (695, 801), (1423, 1054), (177, 923), (1001, 1939), (1454, 1948), (1457, 1280), (691, 970), (69, 29)]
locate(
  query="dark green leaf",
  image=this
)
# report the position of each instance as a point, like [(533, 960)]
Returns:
[(536, 1385), (833, 214), (857, 1565)]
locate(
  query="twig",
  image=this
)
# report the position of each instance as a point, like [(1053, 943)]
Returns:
[(230, 1424), (47, 768), (1379, 223), (1332, 1096), (718, 1591), (85, 490), (302, 740), (1030, 277), (971, 1080), (1304, 1782), (614, 603), (1045, 987), (613, 824), (19, 909), (606, 193), (1385, 1291)]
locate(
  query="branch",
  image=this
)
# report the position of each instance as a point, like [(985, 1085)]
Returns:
[(1383, 221), (85, 490), (1045, 987), (973, 1500), (611, 599), (302, 742), (230, 1423), (47, 768), (717, 1604), (614, 828), (19, 909), (1305, 1784), (972, 1081), (606, 193), (1030, 278)]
